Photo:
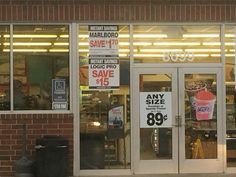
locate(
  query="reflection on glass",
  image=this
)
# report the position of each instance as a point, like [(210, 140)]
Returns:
[(104, 136), (230, 96), (37, 60), (200, 116), (4, 71), (155, 143), (176, 44)]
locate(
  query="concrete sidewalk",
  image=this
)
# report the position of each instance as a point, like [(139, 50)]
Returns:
[(172, 175)]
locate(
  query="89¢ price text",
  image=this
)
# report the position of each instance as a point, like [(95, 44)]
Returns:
[(156, 119)]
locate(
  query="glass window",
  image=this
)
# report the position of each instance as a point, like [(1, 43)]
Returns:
[(230, 95), (4, 69), (176, 44), (104, 113), (41, 67)]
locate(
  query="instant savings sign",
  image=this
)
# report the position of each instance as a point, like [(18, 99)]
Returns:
[(103, 41), (155, 109), (104, 73), (104, 69)]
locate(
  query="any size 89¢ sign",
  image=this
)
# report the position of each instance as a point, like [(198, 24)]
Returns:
[(155, 109)]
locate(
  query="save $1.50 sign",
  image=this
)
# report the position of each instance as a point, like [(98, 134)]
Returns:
[(155, 109)]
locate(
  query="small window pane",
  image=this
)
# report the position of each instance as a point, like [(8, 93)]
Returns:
[(176, 44), (4, 69), (40, 58)]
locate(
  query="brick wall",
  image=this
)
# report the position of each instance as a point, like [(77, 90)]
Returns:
[(118, 10), (37, 125)]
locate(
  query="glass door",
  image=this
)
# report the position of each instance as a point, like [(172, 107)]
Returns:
[(200, 108), (176, 118), (155, 132)]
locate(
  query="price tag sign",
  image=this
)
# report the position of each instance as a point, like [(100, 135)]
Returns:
[(103, 40), (155, 109), (104, 73)]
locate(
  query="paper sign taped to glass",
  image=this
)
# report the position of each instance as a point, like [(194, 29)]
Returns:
[(115, 122)]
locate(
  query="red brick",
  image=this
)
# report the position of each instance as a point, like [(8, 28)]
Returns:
[(7, 142), (4, 137), (66, 126), (7, 152), (6, 174), (8, 121), (5, 168), (8, 131)]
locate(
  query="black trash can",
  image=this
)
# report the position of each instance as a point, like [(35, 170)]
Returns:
[(52, 157)]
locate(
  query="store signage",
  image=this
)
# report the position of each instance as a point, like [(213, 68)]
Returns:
[(115, 127), (103, 40), (104, 68), (155, 109), (178, 56), (115, 116), (59, 95), (104, 73)]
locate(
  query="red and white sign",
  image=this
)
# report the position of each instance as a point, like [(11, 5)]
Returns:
[(104, 68), (103, 41), (104, 73)]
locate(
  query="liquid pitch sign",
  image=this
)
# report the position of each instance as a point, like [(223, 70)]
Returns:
[(155, 109)]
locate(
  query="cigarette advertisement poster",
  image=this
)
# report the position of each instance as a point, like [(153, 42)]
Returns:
[(104, 73), (103, 40), (155, 109), (116, 121), (104, 67), (59, 95)]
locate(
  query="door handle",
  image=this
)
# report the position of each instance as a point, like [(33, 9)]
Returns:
[(178, 121)]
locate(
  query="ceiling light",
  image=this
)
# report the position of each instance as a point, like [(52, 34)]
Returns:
[(31, 36), (229, 35), (202, 50), (64, 36), (200, 35), (58, 50), (142, 43), (29, 43), (83, 43), (161, 50), (177, 43), (122, 55), (83, 50), (150, 35), (211, 43), (219, 55), (201, 55), (161, 55), (148, 55), (218, 43), (124, 43), (26, 50), (61, 43), (124, 36)]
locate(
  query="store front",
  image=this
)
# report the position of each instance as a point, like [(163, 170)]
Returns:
[(147, 98)]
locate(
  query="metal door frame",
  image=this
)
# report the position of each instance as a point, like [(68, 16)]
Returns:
[(182, 165)]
